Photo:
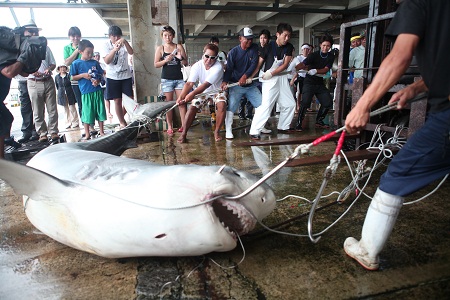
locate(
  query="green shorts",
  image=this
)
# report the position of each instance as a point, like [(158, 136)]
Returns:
[(93, 107)]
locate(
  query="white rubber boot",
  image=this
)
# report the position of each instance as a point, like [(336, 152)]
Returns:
[(228, 125), (380, 220)]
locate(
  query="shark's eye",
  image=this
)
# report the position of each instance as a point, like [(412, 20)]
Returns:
[(160, 236), (263, 200), (236, 173)]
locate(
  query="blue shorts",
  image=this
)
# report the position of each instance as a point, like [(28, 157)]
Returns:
[(424, 159), (169, 85), (235, 94), (115, 88)]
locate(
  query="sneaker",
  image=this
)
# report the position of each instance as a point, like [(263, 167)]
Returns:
[(255, 137), (55, 136), (25, 138), (298, 128), (11, 142), (266, 131), (43, 139)]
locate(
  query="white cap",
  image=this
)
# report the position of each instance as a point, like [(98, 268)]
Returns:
[(246, 32)]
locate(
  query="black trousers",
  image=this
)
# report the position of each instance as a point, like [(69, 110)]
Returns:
[(26, 109)]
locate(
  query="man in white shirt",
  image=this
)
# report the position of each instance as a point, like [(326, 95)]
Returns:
[(208, 72), (42, 92)]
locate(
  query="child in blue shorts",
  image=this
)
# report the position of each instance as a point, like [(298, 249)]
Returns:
[(88, 72)]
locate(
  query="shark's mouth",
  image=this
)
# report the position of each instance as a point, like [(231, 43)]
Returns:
[(234, 217)]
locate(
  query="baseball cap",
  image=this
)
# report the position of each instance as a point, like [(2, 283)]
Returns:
[(246, 32)]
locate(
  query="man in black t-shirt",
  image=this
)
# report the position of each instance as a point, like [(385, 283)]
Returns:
[(277, 56), (318, 64), (421, 27)]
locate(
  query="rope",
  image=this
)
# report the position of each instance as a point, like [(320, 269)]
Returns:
[(212, 92)]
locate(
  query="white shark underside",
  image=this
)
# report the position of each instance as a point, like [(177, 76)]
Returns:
[(119, 207)]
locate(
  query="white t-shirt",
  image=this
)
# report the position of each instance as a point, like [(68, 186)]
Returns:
[(214, 75), (118, 71), (295, 61)]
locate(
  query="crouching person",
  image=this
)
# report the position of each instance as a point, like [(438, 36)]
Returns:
[(209, 73)]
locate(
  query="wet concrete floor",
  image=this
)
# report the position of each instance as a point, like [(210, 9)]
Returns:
[(415, 263)]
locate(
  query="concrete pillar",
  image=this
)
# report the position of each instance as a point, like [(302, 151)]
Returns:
[(145, 37), (304, 36)]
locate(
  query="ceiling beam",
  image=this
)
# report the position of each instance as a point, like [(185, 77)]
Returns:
[(264, 15), (211, 14), (292, 10), (62, 5)]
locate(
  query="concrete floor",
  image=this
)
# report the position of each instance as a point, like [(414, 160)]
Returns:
[(415, 262)]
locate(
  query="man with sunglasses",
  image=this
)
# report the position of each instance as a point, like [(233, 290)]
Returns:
[(242, 61), (208, 72)]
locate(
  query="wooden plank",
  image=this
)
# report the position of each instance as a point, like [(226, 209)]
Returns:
[(296, 140), (325, 159)]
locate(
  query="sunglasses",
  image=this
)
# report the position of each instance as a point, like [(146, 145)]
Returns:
[(33, 31), (209, 56)]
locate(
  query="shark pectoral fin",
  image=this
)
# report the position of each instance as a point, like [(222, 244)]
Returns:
[(31, 182)]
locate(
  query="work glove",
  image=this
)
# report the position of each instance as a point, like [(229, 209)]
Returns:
[(32, 52), (312, 72), (267, 75)]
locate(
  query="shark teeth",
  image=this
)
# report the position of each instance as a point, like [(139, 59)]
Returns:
[(233, 217)]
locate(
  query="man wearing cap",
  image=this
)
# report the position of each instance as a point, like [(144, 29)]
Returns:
[(356, 58), (27, 60), (277, 56), (355, 41), (242, 61), (42, 91)]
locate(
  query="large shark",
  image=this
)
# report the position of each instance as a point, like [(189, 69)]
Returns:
[(87, 197)]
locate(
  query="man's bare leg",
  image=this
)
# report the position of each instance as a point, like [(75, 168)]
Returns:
[(190, 116), (221, 108)]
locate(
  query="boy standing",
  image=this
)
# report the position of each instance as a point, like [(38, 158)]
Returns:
[(88, 73)]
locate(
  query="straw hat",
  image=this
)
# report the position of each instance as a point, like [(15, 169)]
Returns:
[(30, 24)]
